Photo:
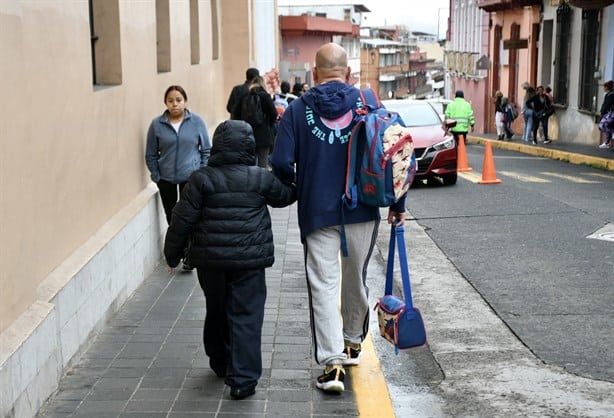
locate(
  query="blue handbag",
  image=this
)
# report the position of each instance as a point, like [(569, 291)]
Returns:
[(399, 321)]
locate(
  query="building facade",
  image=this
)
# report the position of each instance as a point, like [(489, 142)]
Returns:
[(564, 44), (304, 28), (468, 62), (81, 222)]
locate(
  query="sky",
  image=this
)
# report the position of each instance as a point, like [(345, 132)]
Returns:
[(417, 15)]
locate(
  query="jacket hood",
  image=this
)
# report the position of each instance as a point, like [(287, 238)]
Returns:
[(332, 99), (233, 143)]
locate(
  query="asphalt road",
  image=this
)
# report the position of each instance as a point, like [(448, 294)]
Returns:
[(523, 245), (522, 249)]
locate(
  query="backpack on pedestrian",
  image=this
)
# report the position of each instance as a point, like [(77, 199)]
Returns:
[(511, 112), (281, 104), (606, 124), (251, 110), (381, 162)]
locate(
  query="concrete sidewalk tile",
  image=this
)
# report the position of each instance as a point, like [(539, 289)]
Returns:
[(109, 394), (128, 383), (244, 407), (198, 406), (142, 394), (107, 407), (149, 406), (289, 409)]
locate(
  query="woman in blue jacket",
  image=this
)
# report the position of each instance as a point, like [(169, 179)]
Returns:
[(177, 145)]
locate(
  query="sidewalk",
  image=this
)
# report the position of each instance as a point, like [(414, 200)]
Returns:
[(149, 360), (574, 153)]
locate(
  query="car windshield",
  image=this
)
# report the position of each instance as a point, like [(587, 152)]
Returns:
[(416, 114)]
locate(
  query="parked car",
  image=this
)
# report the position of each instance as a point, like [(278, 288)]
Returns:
[(434, 145)]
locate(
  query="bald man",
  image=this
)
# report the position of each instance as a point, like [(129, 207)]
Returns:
[(313, 137)]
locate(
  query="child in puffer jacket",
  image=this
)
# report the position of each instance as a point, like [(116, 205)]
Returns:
[(223, 207)]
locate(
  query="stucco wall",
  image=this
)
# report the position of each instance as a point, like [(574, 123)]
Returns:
[(72, 152), (80, 221)]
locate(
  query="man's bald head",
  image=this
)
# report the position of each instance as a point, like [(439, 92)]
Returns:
[(331, 63)]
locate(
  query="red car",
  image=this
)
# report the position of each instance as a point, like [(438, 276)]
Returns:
[(434, 145)]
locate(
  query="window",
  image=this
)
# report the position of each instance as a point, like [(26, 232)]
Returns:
[(562, 54), (163, 36), (589, 61), (105, 42), (194, 33)]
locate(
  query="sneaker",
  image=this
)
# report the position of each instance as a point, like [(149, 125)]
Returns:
[(186, 266), (353, 355), (534, 142), (332, 379), (547, 141), (604, 145)]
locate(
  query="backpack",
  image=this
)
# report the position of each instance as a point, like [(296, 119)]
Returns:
[(381, 162), (281, 104), (251, 110), (512, 111), (606, 124)]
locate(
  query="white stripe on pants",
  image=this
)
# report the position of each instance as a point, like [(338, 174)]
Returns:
[(327, 272)]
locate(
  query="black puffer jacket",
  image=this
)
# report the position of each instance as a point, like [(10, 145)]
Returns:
[(224, 207)]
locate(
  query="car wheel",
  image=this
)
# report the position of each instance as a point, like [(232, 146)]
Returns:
[(449, 179)]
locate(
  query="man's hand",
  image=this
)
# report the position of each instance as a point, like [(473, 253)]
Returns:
[(396, 218)]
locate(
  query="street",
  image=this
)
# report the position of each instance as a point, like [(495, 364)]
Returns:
[(542, 339)]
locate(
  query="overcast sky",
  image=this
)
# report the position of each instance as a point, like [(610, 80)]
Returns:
[(417, 15)]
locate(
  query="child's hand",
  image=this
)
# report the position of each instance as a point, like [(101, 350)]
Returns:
[(170, 269)]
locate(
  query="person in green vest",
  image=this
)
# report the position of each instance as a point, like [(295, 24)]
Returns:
[(461, 111)]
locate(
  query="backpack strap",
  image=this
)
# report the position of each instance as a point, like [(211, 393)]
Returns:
[(369, 99)]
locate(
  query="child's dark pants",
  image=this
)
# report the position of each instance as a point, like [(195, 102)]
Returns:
[(233, 323)]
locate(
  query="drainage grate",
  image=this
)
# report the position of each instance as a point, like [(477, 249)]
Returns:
[(605, 234)]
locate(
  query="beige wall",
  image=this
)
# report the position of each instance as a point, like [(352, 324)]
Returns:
[(72, 153)]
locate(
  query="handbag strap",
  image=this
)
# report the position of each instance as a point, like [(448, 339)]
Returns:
[(397, 235)]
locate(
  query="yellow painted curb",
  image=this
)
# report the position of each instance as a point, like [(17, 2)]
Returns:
[(369, 384), (571, 157)]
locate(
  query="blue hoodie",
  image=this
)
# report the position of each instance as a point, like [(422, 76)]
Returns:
[(313, 134), (173, 156)]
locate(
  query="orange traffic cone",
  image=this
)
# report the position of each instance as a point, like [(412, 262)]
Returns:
[(488, 171), (461, 159)]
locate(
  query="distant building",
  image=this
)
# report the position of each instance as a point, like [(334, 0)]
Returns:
[(305, 28), (565, 44), (467, 61)]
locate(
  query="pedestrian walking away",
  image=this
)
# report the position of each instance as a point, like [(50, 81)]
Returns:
[(499, 116), (606, 113), (542, 110), (257, 108), (461, 111), (177, 145), (527, 112), (311, 149), (238, 91), (224, 208)]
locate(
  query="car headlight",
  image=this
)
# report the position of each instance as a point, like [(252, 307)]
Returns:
[(445, 144)]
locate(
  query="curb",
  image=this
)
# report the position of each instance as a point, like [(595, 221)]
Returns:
[(552, 153)]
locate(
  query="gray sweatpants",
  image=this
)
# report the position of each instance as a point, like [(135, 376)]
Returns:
[(332, 278)]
